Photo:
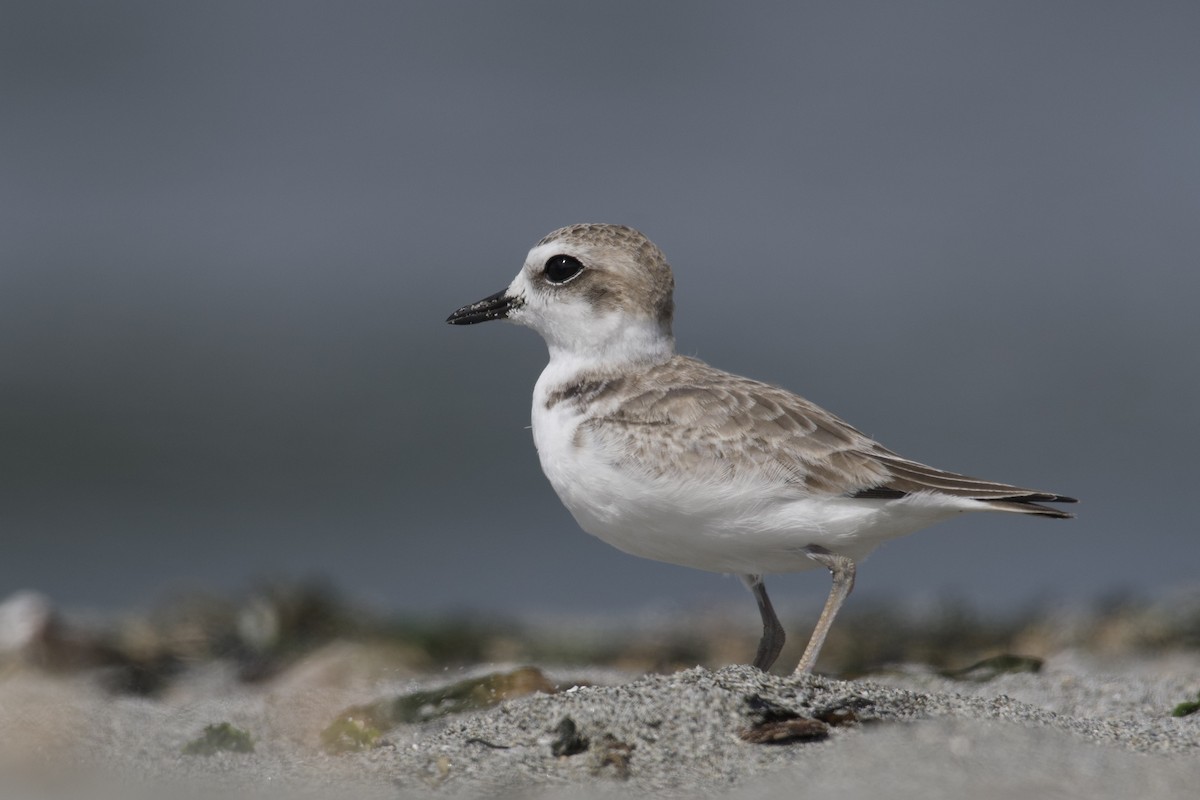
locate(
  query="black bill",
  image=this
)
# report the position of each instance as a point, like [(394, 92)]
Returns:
[(496, 306)]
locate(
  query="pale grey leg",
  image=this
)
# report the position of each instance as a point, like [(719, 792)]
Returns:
[(773, 633), (842, 570)]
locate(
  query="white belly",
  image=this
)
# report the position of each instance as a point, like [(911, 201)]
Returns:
[(710, 524)]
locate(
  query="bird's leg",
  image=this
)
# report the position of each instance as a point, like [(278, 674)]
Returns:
[(842, 570), (773, 633)]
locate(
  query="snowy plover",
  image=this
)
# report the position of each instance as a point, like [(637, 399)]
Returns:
[(667, 458)]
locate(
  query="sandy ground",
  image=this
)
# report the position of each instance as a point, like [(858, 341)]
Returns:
[(1079, 728)]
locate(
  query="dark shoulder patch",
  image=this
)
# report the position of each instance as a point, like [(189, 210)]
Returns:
[(583, 391)]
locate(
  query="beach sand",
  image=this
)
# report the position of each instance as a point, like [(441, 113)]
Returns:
[(1082, 726)]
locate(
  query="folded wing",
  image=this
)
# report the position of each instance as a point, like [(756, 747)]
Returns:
[(684, 419)]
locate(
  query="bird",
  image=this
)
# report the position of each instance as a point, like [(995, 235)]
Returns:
[(665, 457)]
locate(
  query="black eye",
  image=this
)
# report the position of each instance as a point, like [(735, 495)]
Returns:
[(560, 269)]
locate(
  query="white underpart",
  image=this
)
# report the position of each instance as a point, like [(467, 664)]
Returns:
[(714, 525), (698, 521)]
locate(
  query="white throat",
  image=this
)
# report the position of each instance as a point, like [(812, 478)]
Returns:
[(613, 341)]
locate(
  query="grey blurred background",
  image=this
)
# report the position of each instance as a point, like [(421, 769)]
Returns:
[(231, 232)]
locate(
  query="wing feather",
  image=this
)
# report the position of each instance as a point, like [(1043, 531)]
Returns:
[(684, 419)]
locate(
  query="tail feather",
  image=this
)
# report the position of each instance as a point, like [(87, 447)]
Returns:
[(1026, 506), (910, 477)]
